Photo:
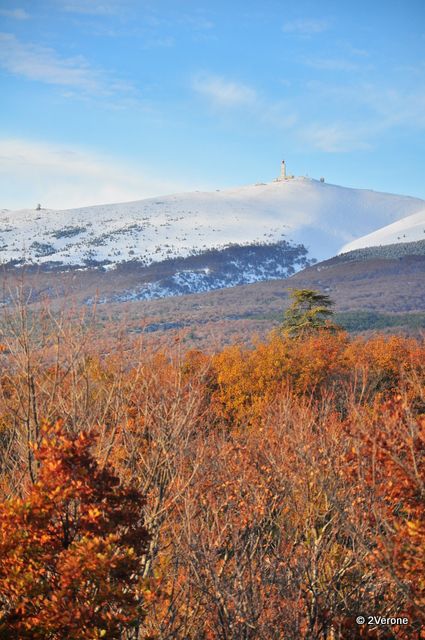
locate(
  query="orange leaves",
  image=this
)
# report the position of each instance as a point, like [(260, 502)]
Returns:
[(283, 493), (250, 382), (390, 459), (71, 553)]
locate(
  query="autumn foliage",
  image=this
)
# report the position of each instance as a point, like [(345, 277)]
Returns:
[(71, 550), (266, 493)]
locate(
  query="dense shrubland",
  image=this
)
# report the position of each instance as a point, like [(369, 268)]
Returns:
[(267, 493)]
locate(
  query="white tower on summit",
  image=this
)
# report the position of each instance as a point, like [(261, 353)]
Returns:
[(282, 176)]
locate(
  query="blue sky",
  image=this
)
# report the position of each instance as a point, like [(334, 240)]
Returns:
[(114, 100)]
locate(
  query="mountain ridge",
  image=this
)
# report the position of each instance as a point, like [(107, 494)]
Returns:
[(190, 243), (320, 216), (407, 230)]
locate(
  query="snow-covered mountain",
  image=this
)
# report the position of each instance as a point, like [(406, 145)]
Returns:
[(192, 242), (320, 216), (409, 229)]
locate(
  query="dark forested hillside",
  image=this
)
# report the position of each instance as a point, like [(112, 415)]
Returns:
[(372, 289)]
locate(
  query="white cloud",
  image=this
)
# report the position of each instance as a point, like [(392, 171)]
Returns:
[(91, 7), (165, 42), (363, 114), (394, 107), (305, 27), (331, 64), (197, 22), (16, 14), (231, 95), (223, 92), (43, 64), (64, 177), (360, 53), (383, 107), (335, 138)]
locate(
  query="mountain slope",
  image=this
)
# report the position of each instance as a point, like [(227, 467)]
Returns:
[(319, 216), (409, 229)]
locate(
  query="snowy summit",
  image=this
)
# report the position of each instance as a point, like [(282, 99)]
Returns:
[(320, 216)]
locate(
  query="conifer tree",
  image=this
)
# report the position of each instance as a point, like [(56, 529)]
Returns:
[(310, 311)]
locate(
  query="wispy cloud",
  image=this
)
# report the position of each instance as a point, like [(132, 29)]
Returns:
[(381, 107), (335, 138), (231, 95), (159, 42), (306, 27), (91, 7), (43, 64), (197, 22), (355, 51), (62, 176), (363, 113), (223, 92), (331, 64), (394, 107), (16, 14), (375, 111)]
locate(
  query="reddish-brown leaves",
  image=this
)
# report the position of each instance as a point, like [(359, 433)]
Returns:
[(71, 552)]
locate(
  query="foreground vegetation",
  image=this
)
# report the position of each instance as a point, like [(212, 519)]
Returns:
[(266, 493)]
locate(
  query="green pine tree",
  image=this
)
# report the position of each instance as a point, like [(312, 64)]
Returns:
[(309, 311)]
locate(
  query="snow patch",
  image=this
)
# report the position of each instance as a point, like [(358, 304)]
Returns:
[(409, 229)]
